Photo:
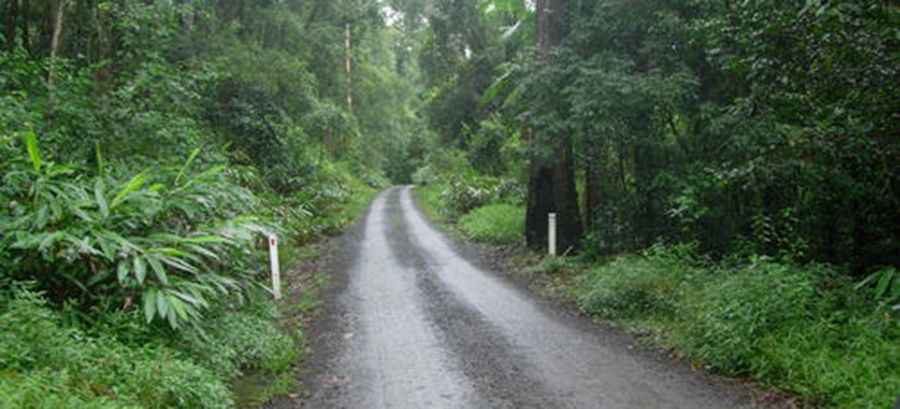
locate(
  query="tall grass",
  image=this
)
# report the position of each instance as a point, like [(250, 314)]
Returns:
[(495, 223), (803, 329)]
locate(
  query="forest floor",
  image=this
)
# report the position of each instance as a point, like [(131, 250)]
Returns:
[(413, 319)]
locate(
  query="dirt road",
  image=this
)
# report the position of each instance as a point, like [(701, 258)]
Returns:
[(416, 325)]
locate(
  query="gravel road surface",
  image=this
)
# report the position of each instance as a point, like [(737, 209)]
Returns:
[(414, 323)]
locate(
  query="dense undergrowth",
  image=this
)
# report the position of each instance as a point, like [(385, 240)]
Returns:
[(805, 329), (145, 154)]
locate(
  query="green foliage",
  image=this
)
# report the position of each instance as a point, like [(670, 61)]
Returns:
[(173, 241), (803, 329), (141, 164), (495, 223), (885, 286), (635, 286), (464, 194), (731, 315), (44, 364), (232, 341)]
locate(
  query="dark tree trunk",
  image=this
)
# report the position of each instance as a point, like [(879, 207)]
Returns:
[(566, 197), (592, 181), (541, 202), (551, 182), (9, 23)]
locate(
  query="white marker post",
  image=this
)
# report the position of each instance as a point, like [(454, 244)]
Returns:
[(551, 231), (276, 273)]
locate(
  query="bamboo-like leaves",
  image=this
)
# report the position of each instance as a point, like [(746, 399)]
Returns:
[(100, 197), (133, 185), (167, 234), (34, 153)]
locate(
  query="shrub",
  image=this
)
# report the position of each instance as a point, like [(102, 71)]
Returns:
[(169, 237), (464, 194), (44, 364), (804, 329), (496, 223), (846, 362), (633, 286), (232, 341), (425, 176), (728, 317)]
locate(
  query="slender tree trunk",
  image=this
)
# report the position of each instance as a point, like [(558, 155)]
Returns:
[(551, 183), (58, 18), (55, 39), (26, 33), (592, 182), (9, 23), (348, 65)]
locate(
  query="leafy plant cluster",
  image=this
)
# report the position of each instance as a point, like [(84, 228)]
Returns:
[(804, 329), (47, 364), (167, 240), (146, 149), (499, 223)]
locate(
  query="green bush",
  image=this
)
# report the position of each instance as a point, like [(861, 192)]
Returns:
[(631, 286), (496, 223), (842, 361), (464, 194), (729, 316), (173, 238), (232, 341), (44, 364), (799, 328)]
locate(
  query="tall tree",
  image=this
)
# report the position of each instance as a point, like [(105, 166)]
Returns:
[(551, 181)]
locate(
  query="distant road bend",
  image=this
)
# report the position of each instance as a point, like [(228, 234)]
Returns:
[(422, 327)]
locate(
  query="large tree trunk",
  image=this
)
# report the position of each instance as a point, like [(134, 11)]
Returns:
[(551, 183)]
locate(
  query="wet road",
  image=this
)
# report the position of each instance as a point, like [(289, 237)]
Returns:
[(416, 325)]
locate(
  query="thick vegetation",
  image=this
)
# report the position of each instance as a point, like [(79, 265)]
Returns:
[(801, 328), (146, 149), (755, 140)]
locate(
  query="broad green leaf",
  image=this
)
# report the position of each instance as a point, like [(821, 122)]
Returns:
[(204, 252), (190, 299), (34, 153), (133, 185), (491, 93), (149, 304), (179, 307), (178, 264), (100, 197), (162, 303), (140, 269), (122, 271), (101, 167), (886, 277), (187, 165), (158, 269)]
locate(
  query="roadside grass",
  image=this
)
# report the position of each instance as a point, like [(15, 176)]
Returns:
[(429, 200), (495, 223), (341, 214), (800, 329)]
